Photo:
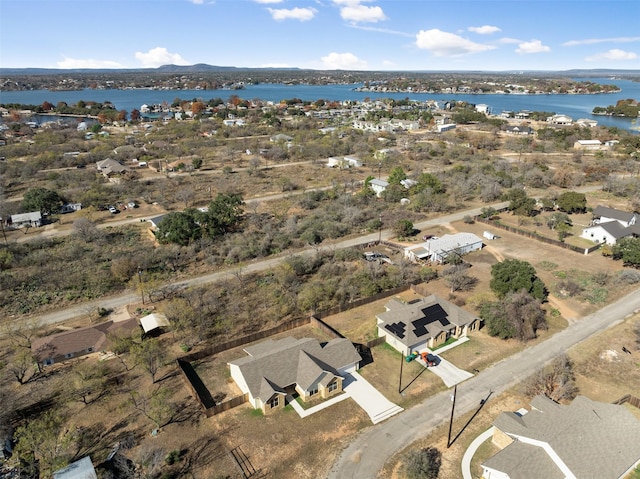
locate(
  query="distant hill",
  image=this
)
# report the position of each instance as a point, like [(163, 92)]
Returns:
[(205, 68), (199, 67)]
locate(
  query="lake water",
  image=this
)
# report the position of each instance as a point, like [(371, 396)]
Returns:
[(575, 106)]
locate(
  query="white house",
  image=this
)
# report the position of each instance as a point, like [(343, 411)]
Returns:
[(32, 219), (378, 186), (439, 249), (560, 120), (445, 127), (610, 225), (274, 369)]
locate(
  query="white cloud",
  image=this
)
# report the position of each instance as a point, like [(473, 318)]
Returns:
[(343, 61), (444, 44), (509, 40), (613, 54), (159, 56), (197, 2), (302, 14), (354, 11), (268, 1), (484, 29), (87, 63), (591, 41), (534, 46)]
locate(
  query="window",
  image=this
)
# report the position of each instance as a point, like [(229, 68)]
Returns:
[(48, 362), (274, 402), (314, 390), (89, 350), (333, 386), (68, 355)]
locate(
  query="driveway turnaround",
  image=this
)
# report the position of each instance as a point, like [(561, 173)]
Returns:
[(471, 450), (369, 398)]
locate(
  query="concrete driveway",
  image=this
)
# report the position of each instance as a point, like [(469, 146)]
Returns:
[(369, 398), (450, 374)]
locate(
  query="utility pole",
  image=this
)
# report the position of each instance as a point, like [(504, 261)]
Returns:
[(141, 285), (380, 232), (453, 406), (400, 378)]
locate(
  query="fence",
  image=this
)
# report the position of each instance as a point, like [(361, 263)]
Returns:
[(234, 343), (226, 405), (634, 401), (536, 236)]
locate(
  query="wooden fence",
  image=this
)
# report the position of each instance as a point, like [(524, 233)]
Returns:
[(634, 401), (536, 236), (226, 405)]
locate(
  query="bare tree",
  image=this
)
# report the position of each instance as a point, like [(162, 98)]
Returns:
[(556, 381), (86, 229)]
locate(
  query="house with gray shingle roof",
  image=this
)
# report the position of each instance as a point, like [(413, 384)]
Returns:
[(426, 323), (585, 439), (274, 369), (610, 225)]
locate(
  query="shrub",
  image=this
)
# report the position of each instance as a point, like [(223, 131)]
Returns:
[(423, 464)]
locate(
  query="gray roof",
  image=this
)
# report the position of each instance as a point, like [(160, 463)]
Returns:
[(33, 216), (615, 229), (579, 433), (81, 469), (604, 211), (273, 365), (524, 461), (416, 322)]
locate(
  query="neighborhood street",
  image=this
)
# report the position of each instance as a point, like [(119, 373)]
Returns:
[(260, 265), (367, 453)]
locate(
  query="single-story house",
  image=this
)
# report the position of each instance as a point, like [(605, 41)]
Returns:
[(560, 120), (581, 440), (378, 186), (59, 347), (586, 122), (110, 167), (81, 469), (22, 220), (438, 249), (423, 324), (274, 369), (281, 137), (445, 127), (587, 145), (153, 322), (70, 207), (518, 130), (155, 222)]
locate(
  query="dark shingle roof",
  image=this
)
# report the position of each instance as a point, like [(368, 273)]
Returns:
[(606, 212)]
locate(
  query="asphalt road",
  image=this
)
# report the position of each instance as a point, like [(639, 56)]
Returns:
[(365, 456), (229, 273)]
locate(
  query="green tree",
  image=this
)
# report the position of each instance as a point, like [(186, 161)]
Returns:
[(557, 219), (572, 202), (43, 200), (514, 275), (520, 203), (44, 443), (518, 315), (403, 228), (196, 163), (423, 464), (628, 250), (224, 212), (178, 227), (396, 175), (429, 181)]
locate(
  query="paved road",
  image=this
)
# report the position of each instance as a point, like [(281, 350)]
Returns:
[(366, 454), (261, 265)]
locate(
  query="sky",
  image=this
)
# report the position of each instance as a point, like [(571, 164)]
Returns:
[(401, 35)]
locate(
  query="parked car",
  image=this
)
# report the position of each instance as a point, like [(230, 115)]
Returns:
[(132, 204), (113, 210)]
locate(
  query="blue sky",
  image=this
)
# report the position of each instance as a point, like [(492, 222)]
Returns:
[(460, 35)]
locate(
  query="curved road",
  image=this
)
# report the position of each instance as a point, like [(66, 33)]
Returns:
[(366, 454)]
